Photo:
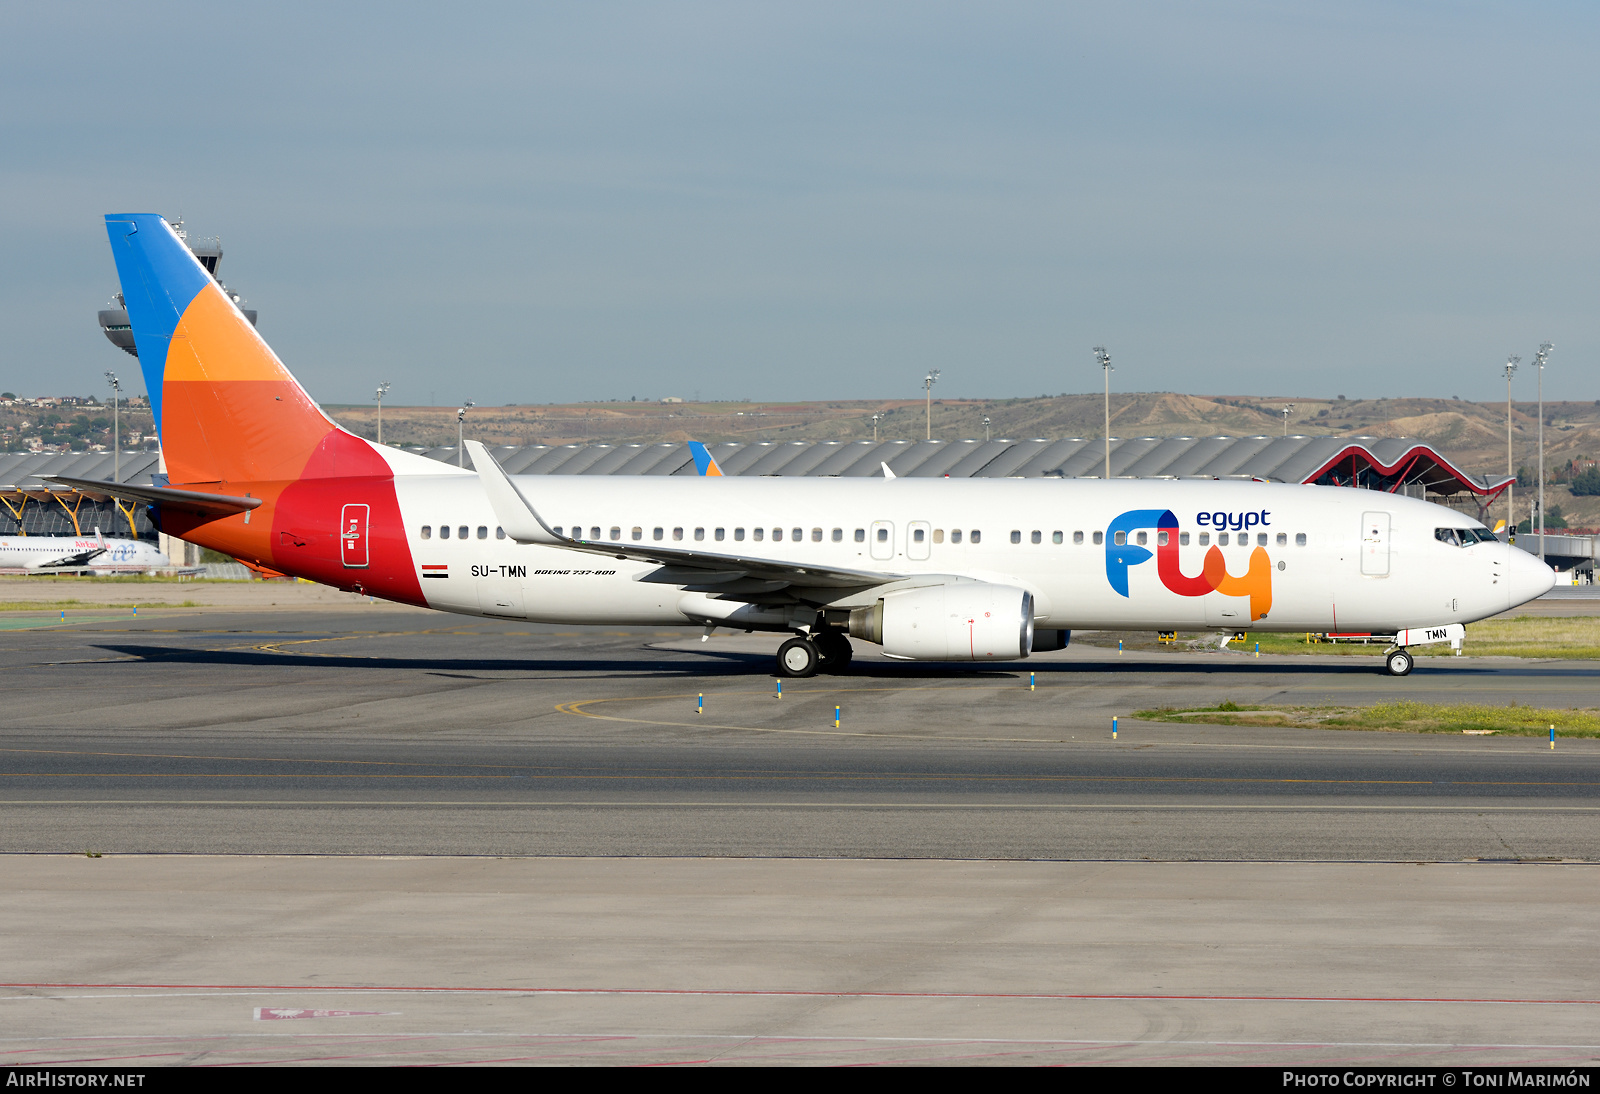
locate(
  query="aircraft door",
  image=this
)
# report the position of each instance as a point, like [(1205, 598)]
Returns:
[(919, 534), (1375, 544), (881, 539), (353, 536)]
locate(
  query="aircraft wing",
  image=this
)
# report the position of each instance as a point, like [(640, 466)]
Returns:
[(81, 558), (734, 574)]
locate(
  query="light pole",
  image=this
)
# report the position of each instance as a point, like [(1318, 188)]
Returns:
[(986, 429), (875, 419), (927, 384), (116, 428), (1104, 358), (1288, 409), (1511, 487), (1539, 359), (383, 389), (461, 417)]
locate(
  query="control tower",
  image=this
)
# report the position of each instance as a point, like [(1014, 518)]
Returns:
[(114, 320)]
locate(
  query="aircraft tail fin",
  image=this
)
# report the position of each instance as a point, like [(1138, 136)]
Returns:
[(225, 408), (704, 461)]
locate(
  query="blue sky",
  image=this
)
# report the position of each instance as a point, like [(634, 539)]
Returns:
[(529, 203)]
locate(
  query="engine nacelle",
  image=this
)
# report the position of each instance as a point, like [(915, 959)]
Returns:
[(970, 621)]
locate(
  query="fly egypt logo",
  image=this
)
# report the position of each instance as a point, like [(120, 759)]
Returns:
[(1121, 553)]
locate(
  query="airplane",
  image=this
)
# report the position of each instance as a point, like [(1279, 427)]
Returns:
[(974, 570), (79, 554)]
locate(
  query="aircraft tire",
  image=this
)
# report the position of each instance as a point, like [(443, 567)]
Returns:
[(1399, 662), (798, 658), (835, 650)]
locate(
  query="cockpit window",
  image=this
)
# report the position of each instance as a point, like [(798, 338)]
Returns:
[(1464, 537)]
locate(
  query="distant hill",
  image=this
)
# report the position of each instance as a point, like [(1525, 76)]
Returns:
[(1473, 434)]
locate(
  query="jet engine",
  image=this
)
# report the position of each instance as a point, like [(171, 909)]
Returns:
[(967, 621)]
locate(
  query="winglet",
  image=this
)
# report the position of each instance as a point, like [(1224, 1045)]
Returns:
[(511, 509), (704, 461), (886, 472)]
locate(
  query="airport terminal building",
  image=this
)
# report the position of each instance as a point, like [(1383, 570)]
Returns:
[(31, 506)]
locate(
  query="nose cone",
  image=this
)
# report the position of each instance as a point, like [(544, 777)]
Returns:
[(1526, 577)]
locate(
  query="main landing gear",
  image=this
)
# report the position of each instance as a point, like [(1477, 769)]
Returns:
[(804, 655)]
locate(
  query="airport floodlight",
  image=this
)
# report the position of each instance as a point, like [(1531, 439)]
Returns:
[(1511, 488), (876, 418), (116, 428), (1539, 360), (1104, 358), (927, 385), (1288, 409), (383, 389), (986, 427), (461, 417)]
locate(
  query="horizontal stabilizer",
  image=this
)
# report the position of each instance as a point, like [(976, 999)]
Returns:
[(187, 501)]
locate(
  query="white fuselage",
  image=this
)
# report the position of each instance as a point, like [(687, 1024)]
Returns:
[(1337, 558), (55, 553)]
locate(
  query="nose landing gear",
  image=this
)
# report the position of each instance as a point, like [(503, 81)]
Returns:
[(1398, 662)]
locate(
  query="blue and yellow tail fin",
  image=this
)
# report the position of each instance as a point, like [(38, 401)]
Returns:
[(704, 461)]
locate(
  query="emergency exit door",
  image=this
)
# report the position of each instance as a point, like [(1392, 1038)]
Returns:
[(353, 536), (1375, 544)]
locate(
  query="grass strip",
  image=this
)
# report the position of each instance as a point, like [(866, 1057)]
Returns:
[(82, 605), (1404, 716)]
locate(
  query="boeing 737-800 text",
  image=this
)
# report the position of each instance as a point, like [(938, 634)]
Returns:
[(934, 569)]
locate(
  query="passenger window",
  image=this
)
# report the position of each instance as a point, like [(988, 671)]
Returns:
[(1035, 536), (1056, 537), (975, 537), (861, 535), (816, 535), (444, 531), (1222, 538), (594, 532), (677, 534), (483, 531), (777, 535), (461, 532), (638, 533), (700, 534), (838, 535), (955, 535), (720, 533), (1016, 536), (938, 535), (500, 533), (1183, 539), (798, 534), (1161, 539), (1120, 539), (1205, 538), (883, 535), (427, 531), (738, 533), (917, 535), (1299, 539), (1077, 537), (1283, 539), (757, 534), (1144, 538), (658, 533), (1261, 539), (616, 533), (1099, 538)]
